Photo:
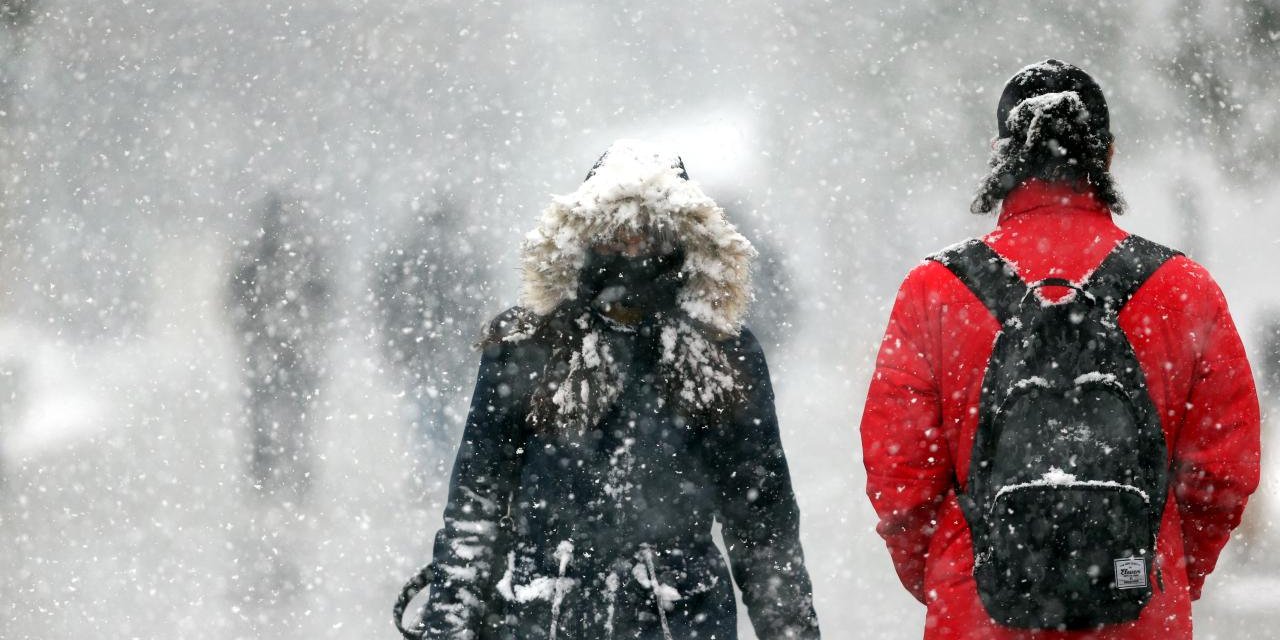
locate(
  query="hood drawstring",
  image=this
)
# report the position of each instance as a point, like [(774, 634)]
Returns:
[(564, 553), (611, 584), (646, 573), (647, 552)]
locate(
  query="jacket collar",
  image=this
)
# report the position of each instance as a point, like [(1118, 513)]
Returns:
[(1054, 230), (1040, 196)]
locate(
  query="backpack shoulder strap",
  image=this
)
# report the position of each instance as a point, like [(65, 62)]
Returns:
[(990, 277), (1126, 269)]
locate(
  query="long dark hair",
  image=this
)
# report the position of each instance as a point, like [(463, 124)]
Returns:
[(1051, 136)]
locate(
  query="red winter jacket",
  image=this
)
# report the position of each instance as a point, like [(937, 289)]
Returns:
[(921, 413)]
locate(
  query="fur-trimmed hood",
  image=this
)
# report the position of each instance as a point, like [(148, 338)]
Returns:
[(640, 187)]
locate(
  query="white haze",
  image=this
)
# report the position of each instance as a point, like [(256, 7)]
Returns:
[(139, 138)]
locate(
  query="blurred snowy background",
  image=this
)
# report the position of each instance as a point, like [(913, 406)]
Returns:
[(384, 159)]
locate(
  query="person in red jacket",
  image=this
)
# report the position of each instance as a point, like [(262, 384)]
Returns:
[(1056, 199)]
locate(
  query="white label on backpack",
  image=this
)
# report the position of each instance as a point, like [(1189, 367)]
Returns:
[(1131, 573)]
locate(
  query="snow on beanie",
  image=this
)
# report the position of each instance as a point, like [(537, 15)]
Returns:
[(1053, 76)]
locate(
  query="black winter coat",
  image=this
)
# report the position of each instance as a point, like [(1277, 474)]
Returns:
[(609, 532)]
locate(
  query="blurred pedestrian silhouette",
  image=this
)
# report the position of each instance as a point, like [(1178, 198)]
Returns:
[(280, 303)]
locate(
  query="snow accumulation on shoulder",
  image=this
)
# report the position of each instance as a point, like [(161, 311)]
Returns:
[(1056, 477), (942, 254)]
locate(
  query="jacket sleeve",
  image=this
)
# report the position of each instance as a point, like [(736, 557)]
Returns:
[(909, 471), (465, 563), (1216, 457), (758, 513)]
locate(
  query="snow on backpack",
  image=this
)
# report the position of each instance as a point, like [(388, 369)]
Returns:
[(1068, 475)]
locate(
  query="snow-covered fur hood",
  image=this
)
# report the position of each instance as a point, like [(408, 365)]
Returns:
[(639, 187)]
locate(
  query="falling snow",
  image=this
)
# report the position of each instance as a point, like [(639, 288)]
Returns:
[(151, 315)]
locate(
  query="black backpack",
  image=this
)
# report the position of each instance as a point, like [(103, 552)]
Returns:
[(1068, 475)]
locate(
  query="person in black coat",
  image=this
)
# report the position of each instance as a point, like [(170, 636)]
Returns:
[(618, 413)]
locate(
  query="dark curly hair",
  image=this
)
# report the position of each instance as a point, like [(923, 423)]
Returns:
[(1056, 136)]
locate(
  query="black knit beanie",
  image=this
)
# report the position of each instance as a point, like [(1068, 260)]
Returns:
[(1053, 76)]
